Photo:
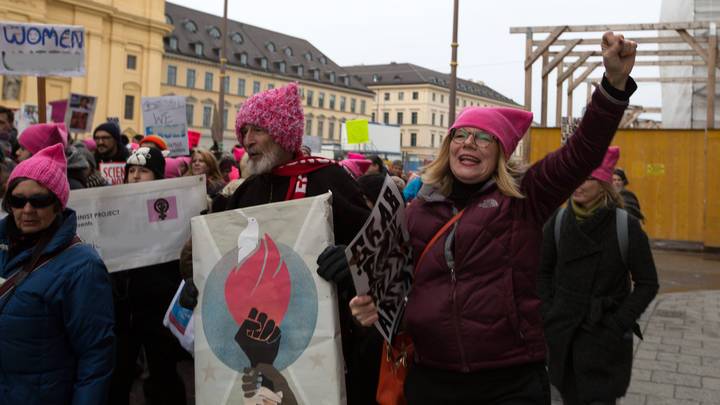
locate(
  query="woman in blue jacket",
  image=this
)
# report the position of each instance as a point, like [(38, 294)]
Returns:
[(56, 315)]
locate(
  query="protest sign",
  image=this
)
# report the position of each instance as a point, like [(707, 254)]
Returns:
[(80, 112), (263, 314), (357, 131), (141, 224), (59, 108), (166, 117), (113, 172), (380, 259), (180, 321), (42, 50)]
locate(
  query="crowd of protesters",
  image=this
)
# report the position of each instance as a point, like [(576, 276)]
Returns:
[(511, 292)]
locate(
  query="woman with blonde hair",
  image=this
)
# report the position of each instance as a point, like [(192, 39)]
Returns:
[(597, 276), (203, 162), (473, 313)]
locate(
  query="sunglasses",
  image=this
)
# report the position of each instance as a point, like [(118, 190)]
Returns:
[(481, 139), (36, 201)]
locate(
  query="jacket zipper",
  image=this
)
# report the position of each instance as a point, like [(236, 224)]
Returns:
[(456, 322)]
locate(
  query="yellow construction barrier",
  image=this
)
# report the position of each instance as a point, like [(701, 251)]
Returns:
[(674, 173)]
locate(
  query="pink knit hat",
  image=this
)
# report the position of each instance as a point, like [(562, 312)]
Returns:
[(39, 136), (238, 153), (279, 111), (193, 139), (172, 167), (90, 144), (605, 171), (49, 168), (508, 125), (356, 167), (353, 155)]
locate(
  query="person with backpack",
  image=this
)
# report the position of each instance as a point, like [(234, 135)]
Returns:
[(597, 276)]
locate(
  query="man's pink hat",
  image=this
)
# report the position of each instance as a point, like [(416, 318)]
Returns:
[(278, 111), (48, 167), (39, 136), (356, 167), (507, 125), (605, 171)]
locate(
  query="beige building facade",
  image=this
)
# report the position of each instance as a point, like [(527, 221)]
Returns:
[(417, 100), (123, 54)]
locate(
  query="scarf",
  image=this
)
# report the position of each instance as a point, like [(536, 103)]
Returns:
[(298, 170), (583, 213)]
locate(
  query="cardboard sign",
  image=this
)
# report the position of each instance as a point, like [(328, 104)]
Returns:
[(42, 50), (166, 117), (141, 224), (113, 172), (80, 112), (380, 259), (263, 314), (357, 131)]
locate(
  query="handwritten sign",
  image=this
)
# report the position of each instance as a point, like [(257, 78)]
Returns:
[(41, 49), (166, 117), (113, 172)]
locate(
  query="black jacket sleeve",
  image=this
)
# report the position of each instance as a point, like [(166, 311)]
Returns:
[(546, 275), (349, 209), (644, 277)]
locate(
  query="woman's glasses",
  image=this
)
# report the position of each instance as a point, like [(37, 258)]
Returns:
[(481, 139), (36, 201)]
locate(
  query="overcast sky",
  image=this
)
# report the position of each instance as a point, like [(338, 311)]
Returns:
[(420, 31)]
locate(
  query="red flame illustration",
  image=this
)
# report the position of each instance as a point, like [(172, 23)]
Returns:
[(261, 281)]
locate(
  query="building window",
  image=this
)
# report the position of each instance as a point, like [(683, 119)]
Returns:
[(433, 118), (386, 96), (208, 81), (236, 37), (415, 95), (413, 118), (173, 43), (352, 105), (270, 86), (189, 113), (190, 26), (433, 97), (226, 84), (256, 87), (464, 103), (323, 60), (346, 81), (332, 77), (243, 58), (331, 129), (332, 102), (321, 100), (281, 67), (198, 49), (308, 56), (399, 118), (432, 140), (442, 99), (288, 51), (362, 107), (375, 77), (172, 75), (241, 87), (190, 78), (129, 107), (401, 96), (316, 74), (342, 103), (309, 97), (320, 128), (308, 126), (131, 62), (263, 63), (225, 118), (372, 117), (300, 70), (270, 47), (442, 118), (214, 32), (207, 116), (413, 139), (168, 19), (386, 118)]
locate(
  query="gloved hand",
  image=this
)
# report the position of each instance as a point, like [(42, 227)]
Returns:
[(188, 295), (333, 265)]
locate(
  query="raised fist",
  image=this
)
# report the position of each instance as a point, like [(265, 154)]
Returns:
[(618, 58), (259, 338)]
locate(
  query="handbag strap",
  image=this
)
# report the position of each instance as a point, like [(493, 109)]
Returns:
[(439, 234)]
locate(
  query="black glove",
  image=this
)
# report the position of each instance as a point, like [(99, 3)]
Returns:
[(188, 295), (333, 265)]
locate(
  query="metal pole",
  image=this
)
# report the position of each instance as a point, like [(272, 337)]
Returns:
[(453, 65), (220, 131)]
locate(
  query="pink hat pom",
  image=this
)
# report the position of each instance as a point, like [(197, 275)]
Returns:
[(605, 171), (508, 125), (278, 111), (39, 136), (48, 167)]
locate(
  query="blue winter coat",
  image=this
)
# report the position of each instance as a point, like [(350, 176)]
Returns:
[(56, 330)]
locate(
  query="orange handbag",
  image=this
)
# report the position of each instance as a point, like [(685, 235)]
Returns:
[(397, 357)]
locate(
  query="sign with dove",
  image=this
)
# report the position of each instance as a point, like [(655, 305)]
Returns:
[(266, 328)]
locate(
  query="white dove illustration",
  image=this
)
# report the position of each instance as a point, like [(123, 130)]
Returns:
[(248, 238)]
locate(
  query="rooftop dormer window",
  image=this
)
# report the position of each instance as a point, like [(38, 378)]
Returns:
[(308, 56), (236, 37), (190, 26), (198, 48), (214, 32), (288, 51), (270, 47), (168, 19), (375, 77)]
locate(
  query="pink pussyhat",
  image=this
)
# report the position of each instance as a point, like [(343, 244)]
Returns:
[(238, 153), (278, 111), (353, 155), (90, 144), (172, 167), (193, 139), (507, 125), (39, 136), (605, 171), (48, 167), (356, 167)]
